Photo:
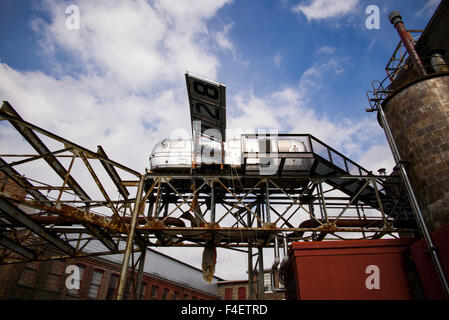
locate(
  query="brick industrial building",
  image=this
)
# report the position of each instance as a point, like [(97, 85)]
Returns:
[(99, 280), (164, 278), (241, 290)]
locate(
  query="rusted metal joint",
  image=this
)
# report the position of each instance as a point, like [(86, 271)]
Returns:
[(155, 224), (269, 225)]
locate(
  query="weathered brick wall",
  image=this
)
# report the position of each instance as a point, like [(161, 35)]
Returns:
[(419, 120), (234, 285), (10, 288)]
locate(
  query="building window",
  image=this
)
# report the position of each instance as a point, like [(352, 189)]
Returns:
[(228, 294), (77, 291), (267, 282), (165, 294), (95, 284), (175, 295), (54, 276), (29, 274), (185, 296), (242, 293), (143, 290), (113, 281), (153, 292)]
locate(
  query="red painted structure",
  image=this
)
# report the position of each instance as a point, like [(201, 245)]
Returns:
[(426, 269), (339, 270)]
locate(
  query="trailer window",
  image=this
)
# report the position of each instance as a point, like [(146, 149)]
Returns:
[(264, 146), (284, 145)]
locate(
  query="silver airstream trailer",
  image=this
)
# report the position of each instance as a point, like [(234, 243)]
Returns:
[(177, 154)]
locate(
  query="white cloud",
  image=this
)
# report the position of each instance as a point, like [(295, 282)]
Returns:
[(129, 59), (277, 59), (429, 8), (224, 42), (324, 9), (288, 110), (326, 50), (222, 38), (135, 43), (376, 157), (312, 78)]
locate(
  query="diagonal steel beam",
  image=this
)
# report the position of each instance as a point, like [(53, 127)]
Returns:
[(295, 201), (7, 112), (354, 198), (14, 213), (36, 157), (99, 184), (101, 235), (184, 200), (24, 183), (113, 173), (42, 149), (130, 240), (17, 248), (288, 224), (239, 201)]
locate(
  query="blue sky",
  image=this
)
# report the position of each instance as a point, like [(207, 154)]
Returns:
[(300, 66), (271, 46)]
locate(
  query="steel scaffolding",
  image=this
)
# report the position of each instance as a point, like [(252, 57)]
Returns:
[(330, 198)]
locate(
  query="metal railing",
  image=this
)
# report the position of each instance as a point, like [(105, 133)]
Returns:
[(401, 71), (312, 145), (401, 77)]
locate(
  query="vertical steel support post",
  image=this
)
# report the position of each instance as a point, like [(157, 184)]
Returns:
[(65, 181), (250, 272), (261, 274), (414, 202), (166, 204), (212, 202), (129, 243), (379, 201), (267, 202), (323, 203), (259, 214), (250, 261), (260, 291), (140, 273)]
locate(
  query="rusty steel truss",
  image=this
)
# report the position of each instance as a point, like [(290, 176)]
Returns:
[(57, 218)]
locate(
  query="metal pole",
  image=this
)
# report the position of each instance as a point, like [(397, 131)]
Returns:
[(140, 274), (267, 202), (129, 243), (261, 274), (323, 203), (414, 202), (250, 261), (250, 272), (407, 40), (212, 202)]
